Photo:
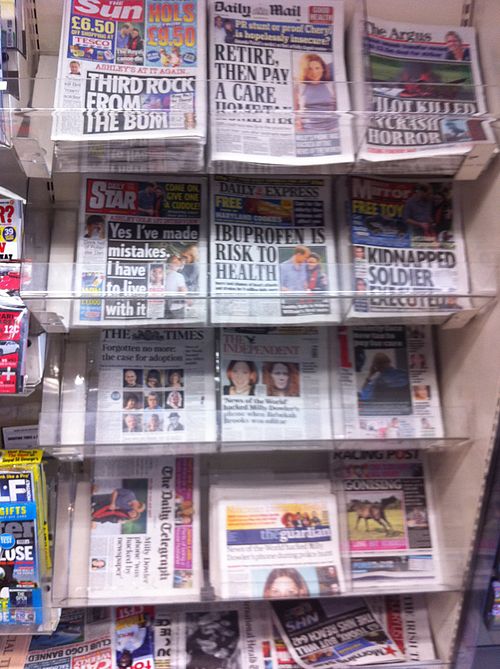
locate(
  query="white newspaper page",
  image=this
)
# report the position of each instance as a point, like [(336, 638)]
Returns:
[(154, 385), (141, 251), (272, 251), (274, 384), (145, 535), (278, 90), (388, 382)]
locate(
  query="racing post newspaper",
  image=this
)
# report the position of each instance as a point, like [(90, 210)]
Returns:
[(274, 384), (278, 90), (388, 383), (404, 239), (137, 241), (389, 516), (272, 251), (154, 385), (145, 529), (421, 88)]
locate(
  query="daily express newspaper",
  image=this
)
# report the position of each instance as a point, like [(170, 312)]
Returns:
[(272, 251), (388, 382), (274, 384), (154, 385), (423, 85), (275, 541), (145, 532), (138, 240), (389, 516), (278, 83), (131, 69), (405, 238)]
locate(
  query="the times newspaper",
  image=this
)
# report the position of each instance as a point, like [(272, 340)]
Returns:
[(274, 540), (272, 251), (274, 384), (154, 385), (388, 382), (145, 529), (403, 238), (130, 69), (14, 324), (278, 91), (390, 521), (421, 89), (141, 251)]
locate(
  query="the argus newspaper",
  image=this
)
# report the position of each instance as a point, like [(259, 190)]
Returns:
[(145, 529), (131, 69), (388, 382), (274, 384), (154, 385), (278, 91), (272, 251), (141, 251)]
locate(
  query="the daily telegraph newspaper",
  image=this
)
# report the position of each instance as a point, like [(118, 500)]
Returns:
[(272, 251), (390, 520), (277, 539), (274, 384), (154, 385), (131, 69), (139, 240), (422, 89), (14, 324), (388, 382), (404, 238), (278, 90), (145, 528)]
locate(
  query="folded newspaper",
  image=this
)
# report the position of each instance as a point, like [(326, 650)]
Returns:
[(278, 91)]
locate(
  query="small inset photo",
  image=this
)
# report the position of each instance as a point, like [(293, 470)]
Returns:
[(132, 422), (153, 400), (132, 401), (132, 378), (421, 392)]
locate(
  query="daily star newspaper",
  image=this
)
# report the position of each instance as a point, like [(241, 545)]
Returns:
[(154, 385), (422, 89), (388, 382), (274, 384), (272, 238), (139, 240), (278, 90), (145, 531), (131, 68)]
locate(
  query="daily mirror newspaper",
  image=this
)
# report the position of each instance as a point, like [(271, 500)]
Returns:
[(272, 238), (131, 69), (154, 385), (278, 91), (145, 529), (274, 384), (142, 244), (388, 382)]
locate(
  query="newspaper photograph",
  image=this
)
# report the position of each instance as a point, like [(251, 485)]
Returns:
[(274, 384), (389, 516), (145, 532), (154, 385), (272, 238), (130, 69), (278, 91), (141, 251), (388, 382)]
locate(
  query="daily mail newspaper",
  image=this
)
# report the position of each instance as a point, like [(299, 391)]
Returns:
[(422, 89), (130, 69), (278, 89), (154, 385), (272, 251), (391, 528), (274, 384), (403, 238), (388, 382), (277, 540), (138, 241), (145, 531)]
